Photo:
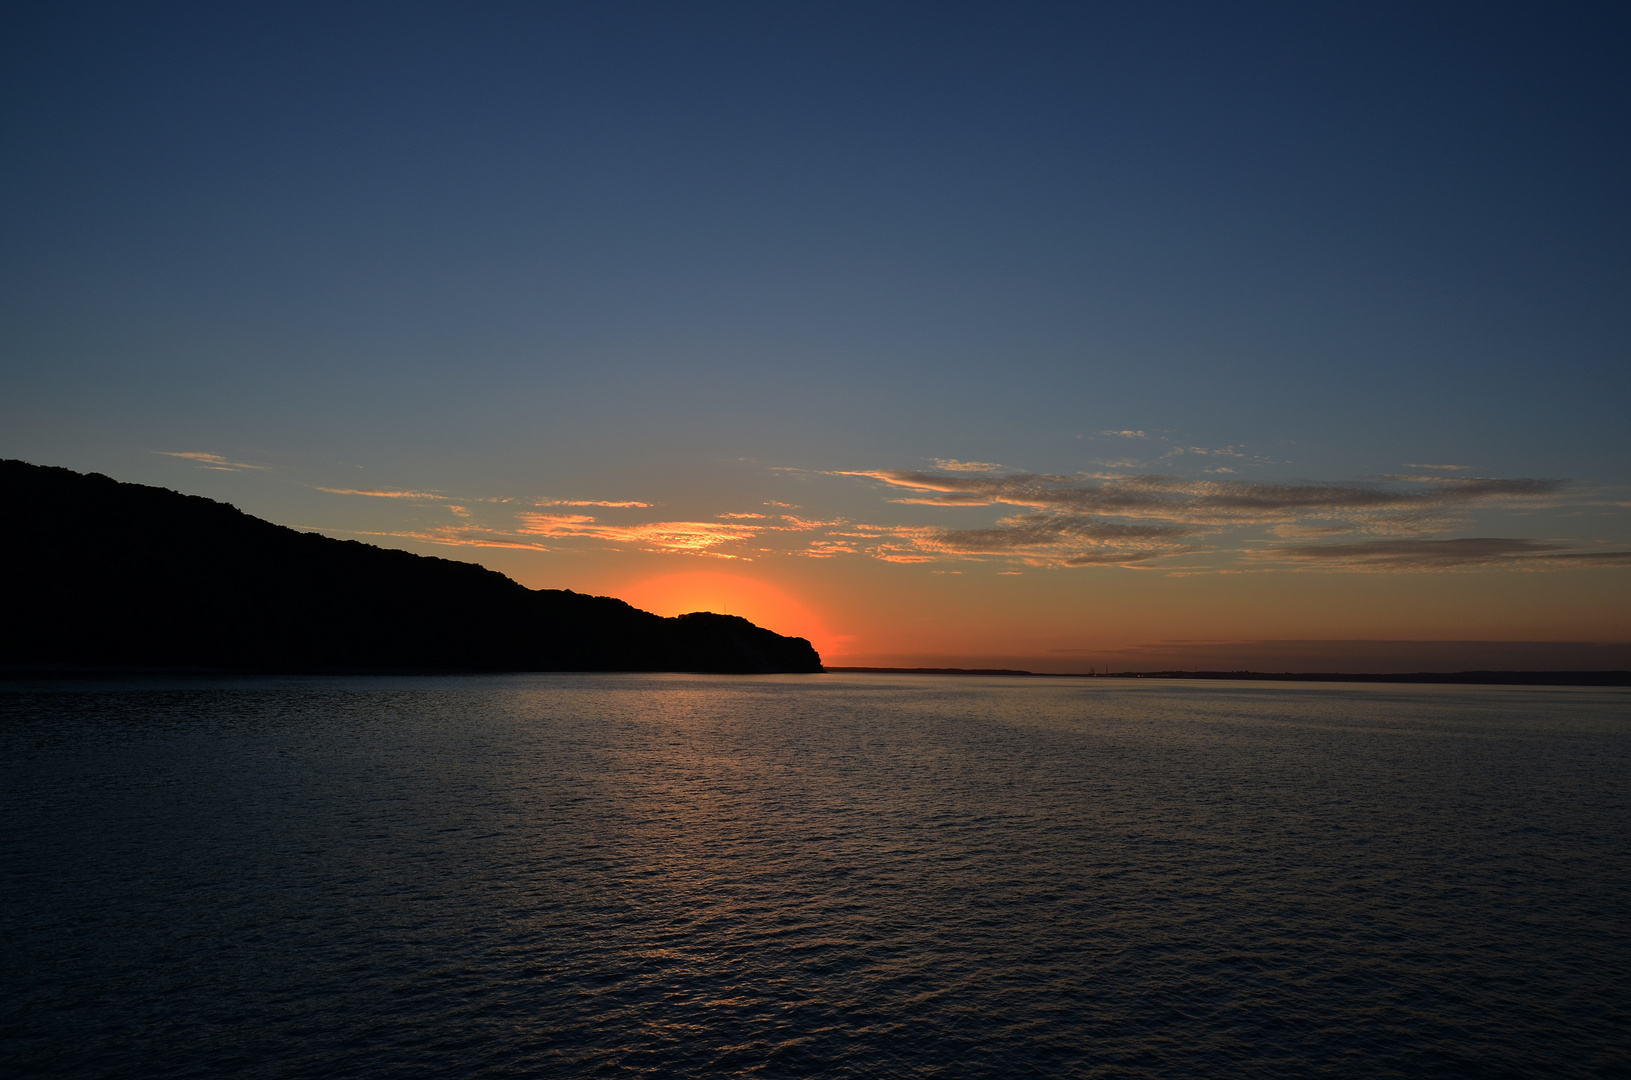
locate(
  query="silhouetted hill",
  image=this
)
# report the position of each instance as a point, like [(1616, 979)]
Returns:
[(98, 572)]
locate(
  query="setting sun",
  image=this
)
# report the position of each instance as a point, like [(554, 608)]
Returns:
[(730, 594)]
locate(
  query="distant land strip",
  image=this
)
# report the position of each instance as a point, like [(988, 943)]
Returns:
[(1471, 678)]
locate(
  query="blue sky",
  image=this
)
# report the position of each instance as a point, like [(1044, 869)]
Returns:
[(709, 257)]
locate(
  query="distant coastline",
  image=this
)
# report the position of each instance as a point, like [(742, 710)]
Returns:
[(1468, 678)]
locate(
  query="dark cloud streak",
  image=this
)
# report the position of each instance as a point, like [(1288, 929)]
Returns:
[(1472, 551), (1087, 520), (1210, 501)]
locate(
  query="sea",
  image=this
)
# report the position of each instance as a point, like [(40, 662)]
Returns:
[(846, 875)]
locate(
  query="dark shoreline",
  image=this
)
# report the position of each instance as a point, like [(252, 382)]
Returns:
[(1467, 678), (90, 672)]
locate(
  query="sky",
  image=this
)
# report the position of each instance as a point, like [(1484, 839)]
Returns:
[(1066, 337)]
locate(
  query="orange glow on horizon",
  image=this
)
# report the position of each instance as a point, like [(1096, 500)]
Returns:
[(731, 594)]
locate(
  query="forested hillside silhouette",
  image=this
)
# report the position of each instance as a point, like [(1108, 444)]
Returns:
[(101, 573)]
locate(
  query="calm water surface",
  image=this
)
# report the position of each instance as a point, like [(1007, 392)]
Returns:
[(580, 875)]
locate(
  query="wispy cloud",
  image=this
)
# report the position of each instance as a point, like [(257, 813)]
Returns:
[(790, 523), (593, 502), (493, 523), (1124, 434), (953, 465), (383, 493), (211, 461), (826, 549), (1116, 519), (456, 536), (1213, 502), (674, 537), (1176, 524), (1073, 540), (1234, 452), (1461, 553), (690, 537)]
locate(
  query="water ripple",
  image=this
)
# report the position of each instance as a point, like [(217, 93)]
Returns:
[(832, 876)]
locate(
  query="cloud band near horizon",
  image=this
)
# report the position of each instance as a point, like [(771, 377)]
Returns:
[(1385, 524)]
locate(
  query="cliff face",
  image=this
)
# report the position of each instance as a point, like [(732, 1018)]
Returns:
[(99, 572)]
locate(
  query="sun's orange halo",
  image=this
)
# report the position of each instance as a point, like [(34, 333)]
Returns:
[(729, 594)]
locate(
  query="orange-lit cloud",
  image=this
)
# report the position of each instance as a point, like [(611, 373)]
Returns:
[(592, 502), (1178, 525), (826, 549), (692, 537)]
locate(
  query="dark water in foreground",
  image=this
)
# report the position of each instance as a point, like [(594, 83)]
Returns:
[(819, 875)]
